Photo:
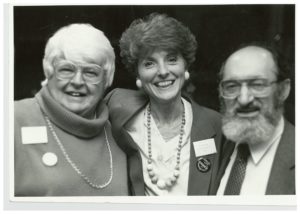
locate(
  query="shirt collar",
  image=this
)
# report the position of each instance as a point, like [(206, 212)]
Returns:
[(259, 150)]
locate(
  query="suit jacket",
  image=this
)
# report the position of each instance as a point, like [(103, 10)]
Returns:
[(125, 104), (282, 176)]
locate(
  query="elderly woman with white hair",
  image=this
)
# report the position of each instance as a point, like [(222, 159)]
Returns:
[(63, 142)]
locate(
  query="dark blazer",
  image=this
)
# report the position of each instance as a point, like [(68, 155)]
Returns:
[(282, 176), (125, 104)]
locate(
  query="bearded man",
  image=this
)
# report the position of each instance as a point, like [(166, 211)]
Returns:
[(259, 153)]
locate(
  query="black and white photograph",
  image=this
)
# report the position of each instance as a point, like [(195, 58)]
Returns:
[(152, 103)]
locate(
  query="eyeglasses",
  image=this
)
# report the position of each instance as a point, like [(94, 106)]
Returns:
[(91, 73), (230, 89)]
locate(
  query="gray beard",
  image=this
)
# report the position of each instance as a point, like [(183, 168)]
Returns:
[(248, 131), (251, 130)]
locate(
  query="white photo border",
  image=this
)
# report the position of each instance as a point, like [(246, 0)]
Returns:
[(289, 202)]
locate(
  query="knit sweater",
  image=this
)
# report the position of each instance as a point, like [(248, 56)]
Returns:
[(84, 142)]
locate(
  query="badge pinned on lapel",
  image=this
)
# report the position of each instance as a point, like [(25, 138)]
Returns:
[(203, 164), (205, 147)]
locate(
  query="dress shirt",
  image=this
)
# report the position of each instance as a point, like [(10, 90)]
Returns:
[(163, 153), (258, 167)]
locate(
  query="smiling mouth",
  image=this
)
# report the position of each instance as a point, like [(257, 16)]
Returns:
[(164, 84), (76, 94)]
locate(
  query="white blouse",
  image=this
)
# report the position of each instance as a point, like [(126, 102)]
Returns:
[(163, 153)]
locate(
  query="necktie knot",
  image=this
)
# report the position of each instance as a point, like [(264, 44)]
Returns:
[(243, 151)]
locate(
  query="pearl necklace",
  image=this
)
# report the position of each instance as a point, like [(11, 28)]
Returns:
[(169, 182), (74, 166)]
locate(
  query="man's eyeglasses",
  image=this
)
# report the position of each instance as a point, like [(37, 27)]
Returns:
[(91, 73), (231, 89)]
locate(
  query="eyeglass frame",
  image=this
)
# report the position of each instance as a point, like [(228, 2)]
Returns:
[(78, 67), (240, 83)]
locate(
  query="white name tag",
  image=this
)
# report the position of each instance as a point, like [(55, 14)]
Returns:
[(34, 134), (205, 147)]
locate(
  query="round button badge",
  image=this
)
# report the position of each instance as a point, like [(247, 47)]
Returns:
[(49, 159), (203, 164)]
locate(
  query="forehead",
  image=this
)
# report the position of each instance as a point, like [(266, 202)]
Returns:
[(249, 63), (83, 55), (157, 52)]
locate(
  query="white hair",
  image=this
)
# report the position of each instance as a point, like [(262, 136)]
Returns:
[(83, 39)]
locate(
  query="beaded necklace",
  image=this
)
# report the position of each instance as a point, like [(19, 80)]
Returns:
[(155, 179), (75, 167)]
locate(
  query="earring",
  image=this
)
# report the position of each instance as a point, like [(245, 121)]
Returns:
[(186, 75), (138, 83), (44, 82)]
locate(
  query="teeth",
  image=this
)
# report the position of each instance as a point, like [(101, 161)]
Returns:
[(75, 94), (165, 83)]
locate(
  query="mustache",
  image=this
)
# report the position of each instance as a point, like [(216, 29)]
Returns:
[(247, 108)]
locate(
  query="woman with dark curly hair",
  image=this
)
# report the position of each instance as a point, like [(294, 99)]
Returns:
[(172, 144)]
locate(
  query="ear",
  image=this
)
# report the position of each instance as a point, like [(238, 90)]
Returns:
[(285, 88), (48, 69)]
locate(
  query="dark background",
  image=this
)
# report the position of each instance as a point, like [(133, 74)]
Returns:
[(219, 29)]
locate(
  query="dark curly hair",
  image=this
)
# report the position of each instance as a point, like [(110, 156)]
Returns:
[(156, 31)]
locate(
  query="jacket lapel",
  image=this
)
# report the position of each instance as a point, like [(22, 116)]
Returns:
[(282, 176), (134, 165), (226, 150), (123, 108), (199, 182), (122, 112)]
